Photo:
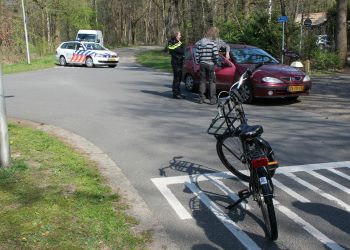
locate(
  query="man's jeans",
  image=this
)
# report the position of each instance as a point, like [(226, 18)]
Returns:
[(207, 72)]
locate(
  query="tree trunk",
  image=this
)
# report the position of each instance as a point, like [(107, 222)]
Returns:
[(341, 41), (246, 8), (48, 26), (283, 7)]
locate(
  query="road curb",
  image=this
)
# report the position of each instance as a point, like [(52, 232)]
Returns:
[(114, 178)]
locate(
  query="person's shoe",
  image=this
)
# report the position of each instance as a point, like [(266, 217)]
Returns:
[(200, 101), (178, 96)]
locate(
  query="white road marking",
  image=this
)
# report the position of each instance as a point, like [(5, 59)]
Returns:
[(227, 191), (214, 178), (337, 172), (331, 182), (319, 191), (304, 224), (172, 200), (312, 167), (308, 227), (229, 224), (290, 191)]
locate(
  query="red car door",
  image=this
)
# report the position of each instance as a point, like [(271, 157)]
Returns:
[(190, 66), (225, 73)]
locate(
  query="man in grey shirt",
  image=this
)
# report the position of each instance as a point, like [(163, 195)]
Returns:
[(207, 56)]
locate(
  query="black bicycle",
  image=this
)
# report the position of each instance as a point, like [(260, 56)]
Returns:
[(245, 153)]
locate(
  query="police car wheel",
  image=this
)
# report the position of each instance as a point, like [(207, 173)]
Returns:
[(89, 62), (63, 61)]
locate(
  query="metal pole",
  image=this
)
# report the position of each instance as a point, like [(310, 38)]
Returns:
[(4, 139), (282, 42), (301, 31), (25, 32)]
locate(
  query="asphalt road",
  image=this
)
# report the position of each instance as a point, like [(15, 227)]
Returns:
[(162, 147)]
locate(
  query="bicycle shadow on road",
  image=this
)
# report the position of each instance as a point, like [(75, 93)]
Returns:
[(178, 165)]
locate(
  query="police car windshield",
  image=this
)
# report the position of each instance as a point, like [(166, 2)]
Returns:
[(93, 46), (252, 56)]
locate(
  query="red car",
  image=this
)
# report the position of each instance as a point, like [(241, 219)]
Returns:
[(272, 80)]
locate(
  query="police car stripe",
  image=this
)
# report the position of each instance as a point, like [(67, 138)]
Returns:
[(79, 56)]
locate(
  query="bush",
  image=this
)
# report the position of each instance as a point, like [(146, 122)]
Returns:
[(324, 60), (257, 30)]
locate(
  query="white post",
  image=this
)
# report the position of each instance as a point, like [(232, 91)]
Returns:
[(301, 28), (282, 42), (25, 32), (4, 139)]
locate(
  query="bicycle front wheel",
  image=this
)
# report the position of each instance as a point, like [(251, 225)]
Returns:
[(231, 154), (264, 199)]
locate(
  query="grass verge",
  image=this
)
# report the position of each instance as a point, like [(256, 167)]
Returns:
[(35, 64), (157, 59), (53, 198)]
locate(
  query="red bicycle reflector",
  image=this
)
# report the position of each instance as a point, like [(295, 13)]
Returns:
[(260, 162)]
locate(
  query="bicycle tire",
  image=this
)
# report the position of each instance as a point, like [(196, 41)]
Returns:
[(230, 151), (265, 202)]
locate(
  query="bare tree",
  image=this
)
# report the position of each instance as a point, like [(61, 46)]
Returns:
[(341, 41), (246, 7)]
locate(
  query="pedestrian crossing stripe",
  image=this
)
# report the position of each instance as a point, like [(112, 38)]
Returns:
[(215, 178)]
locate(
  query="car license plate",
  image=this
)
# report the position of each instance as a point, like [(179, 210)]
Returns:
[(295, 88), (112, 59)]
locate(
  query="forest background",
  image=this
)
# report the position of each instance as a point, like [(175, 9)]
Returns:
[(150, 22)]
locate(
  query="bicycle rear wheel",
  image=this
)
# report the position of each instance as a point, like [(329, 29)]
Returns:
[(231, 154), (265, 202)]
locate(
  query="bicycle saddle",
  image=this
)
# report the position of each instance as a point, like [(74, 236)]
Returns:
[(249, 132)]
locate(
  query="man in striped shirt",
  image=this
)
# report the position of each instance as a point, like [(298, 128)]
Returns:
[(207, 56)]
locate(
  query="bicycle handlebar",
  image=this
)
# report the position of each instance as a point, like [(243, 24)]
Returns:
[(251, 70), (245, 76)]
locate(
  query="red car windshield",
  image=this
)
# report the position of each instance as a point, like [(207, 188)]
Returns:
[(252, 56)]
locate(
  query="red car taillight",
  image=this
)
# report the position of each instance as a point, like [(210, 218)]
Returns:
[(260, 162)]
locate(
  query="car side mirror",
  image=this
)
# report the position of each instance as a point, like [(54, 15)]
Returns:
[(225, 64)]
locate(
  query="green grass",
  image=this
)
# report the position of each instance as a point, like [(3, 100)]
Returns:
[(157, 59), (35, 64), (53, 198)]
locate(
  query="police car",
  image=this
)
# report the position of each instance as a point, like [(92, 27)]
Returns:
[(85, 53)]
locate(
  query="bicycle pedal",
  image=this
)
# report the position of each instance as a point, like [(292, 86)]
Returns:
[(243, 193)]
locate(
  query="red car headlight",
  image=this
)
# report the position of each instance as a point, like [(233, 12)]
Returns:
[(306, 78), (269, 79)]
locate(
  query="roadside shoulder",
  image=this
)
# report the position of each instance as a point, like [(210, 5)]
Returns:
[(114, 178)]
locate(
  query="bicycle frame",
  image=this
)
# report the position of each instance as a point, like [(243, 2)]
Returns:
[(257, 154)]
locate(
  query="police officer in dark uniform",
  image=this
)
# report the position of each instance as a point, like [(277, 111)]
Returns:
[(176, 50)]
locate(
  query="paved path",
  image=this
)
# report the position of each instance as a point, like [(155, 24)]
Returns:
[(330, 97)]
